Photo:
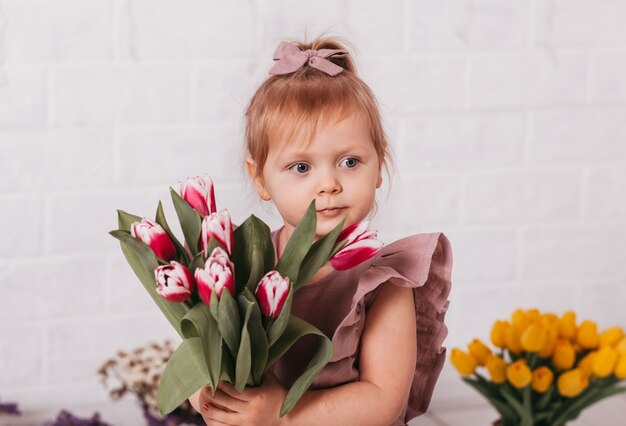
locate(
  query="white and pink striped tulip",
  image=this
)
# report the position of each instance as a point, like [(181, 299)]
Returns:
[(219, 226), (155, 236), (360, 244), (216, 275), (174, 282), (198, 192), (272, 292)]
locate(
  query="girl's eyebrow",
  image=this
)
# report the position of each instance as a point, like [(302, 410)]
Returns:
[(304, 154)]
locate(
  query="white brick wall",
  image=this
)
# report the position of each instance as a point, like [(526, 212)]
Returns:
[(508, 121)]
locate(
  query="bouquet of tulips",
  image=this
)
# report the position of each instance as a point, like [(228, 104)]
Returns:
[(224, 293), (547, 369)]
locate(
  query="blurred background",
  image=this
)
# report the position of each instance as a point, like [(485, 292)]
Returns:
[(507, 119)]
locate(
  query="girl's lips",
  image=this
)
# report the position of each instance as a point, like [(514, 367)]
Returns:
[(331, 212)]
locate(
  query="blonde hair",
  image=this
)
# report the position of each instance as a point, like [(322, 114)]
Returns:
[(288, 104)]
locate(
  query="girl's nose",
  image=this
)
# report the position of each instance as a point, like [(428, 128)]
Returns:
[(329, 184)]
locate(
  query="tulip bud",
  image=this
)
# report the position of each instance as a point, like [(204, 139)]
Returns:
[(621, 346), (272, 292), (198, 192), (587, 335), (542, 379), (572, 383), (479, 351), (519, 374), (512, 339), (496, 368), (567, 325), (360, 244), (604, 362), (154, 236), (564, 355), (216, 275), (520, 321), (586, 363), (220, 227), (174, 282), (533, 315), (611, 336), (498, 333), (464, 363), (620, 368), (534, 337)]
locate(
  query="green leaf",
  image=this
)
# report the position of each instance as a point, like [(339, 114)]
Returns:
[(199, 322), (124, 220), (190, 221), (298, 245), (143, 262), (229, 322), (244, 356), (253, 253), (160, 219), (526, 418), (491, 393), (318, 255), (184, 374), (297, 328), (278, 326)]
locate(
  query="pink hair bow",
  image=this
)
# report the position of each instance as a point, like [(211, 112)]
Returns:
[(290, 58)]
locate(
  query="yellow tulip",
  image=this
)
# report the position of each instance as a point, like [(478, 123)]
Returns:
[(587, 335), (512, 340), (586, 363), (621, 346), (479, 351), (520, 321), (604, 362), (611, 336), (496, 368), (533, 315), (542, 379), (519, 374), (534, 337), (498, 333), (463, 362), (572, 383), (548, 347), (564, 355), (620, 367), (567, 325)]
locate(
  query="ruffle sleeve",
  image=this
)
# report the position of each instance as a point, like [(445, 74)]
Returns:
[(422, 262)]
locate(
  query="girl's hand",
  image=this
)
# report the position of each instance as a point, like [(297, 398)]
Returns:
[(254, 406)]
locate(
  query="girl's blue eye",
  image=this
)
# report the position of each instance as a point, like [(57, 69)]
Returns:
[(350, 162), (300, 168)]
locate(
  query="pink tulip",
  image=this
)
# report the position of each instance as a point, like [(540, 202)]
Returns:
[(155, 236), (272, 292), (174, 282), (216, 275), (219, 226), (198, 192), (360, 244)]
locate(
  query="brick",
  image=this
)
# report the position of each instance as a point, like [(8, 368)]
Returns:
[(22, 225), (602, 299), (605, 193), (468, 141), (522, 196), (373, 29), (191, 28), (580, 23), (23, 159), (517, 80), (23, 284), (61, 30), (433, 84), (20, 355), (609, 85), (124, 291), (22, 96), (148, 153), (483, 256), (461, 24), (578, 135), (574, 253)]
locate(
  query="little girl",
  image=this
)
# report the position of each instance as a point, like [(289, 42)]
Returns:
[(313, 131)]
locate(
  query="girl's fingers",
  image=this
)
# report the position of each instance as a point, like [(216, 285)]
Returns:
[(230, 390), (213, 415), (222, 399)]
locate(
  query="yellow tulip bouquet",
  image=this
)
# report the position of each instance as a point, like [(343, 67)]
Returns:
[(547, 369)]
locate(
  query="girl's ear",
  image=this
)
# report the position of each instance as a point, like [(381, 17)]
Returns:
[(258, 180), (379, 181)]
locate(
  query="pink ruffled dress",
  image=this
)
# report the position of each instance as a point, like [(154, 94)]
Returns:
[(337, 304)]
